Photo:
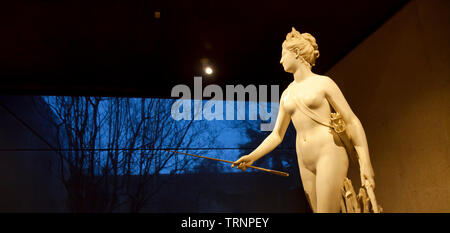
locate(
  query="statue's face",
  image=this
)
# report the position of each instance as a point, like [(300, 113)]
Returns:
[(288, 61)]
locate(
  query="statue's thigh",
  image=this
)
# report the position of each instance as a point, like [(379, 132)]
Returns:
[(309, 185), (330, 176)]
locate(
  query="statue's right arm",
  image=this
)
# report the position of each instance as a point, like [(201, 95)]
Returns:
[(277, 135)]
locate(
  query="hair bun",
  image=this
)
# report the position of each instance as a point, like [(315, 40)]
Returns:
[(313, 43), (316, 53), (311, 40)]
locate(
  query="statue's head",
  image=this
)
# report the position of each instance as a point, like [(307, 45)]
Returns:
[(299, 47)]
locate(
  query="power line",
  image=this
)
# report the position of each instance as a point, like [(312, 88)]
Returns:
[(51, 148), (123, 149)]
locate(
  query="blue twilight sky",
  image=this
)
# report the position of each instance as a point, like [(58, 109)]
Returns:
[(227, 133)]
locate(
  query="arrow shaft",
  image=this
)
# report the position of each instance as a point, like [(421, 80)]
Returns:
[(227, 161)]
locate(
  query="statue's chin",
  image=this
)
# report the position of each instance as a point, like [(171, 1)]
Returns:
[(288, 70)]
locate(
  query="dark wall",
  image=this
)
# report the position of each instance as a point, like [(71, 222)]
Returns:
[(28, 179), (398, 83), (242, 192)]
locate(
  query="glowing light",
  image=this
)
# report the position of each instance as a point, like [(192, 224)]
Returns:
[(208, 70)]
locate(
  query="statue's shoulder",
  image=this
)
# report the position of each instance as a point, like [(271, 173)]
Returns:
[(286, 91), (326, 81)]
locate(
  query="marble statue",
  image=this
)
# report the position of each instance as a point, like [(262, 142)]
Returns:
[(327, 129)]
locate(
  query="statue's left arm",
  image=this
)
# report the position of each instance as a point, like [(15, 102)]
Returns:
[(354, 128)]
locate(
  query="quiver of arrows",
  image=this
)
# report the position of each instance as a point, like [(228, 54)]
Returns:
[(352, 203)]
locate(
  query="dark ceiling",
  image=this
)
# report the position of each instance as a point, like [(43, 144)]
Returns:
[(119, 48)]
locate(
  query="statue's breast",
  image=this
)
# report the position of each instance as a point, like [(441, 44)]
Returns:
[(311, 97), (311, 100)]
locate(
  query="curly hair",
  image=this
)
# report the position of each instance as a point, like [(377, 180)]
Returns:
[(305, 44)]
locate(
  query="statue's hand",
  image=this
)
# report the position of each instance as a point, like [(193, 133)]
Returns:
[(367, 176), (244, 162)]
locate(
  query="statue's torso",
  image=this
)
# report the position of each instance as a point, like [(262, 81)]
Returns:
[(314, 141)]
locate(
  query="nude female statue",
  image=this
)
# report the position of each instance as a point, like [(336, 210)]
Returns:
[(322, 157)]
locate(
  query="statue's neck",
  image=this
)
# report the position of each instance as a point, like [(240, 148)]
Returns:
[(302, 73)]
